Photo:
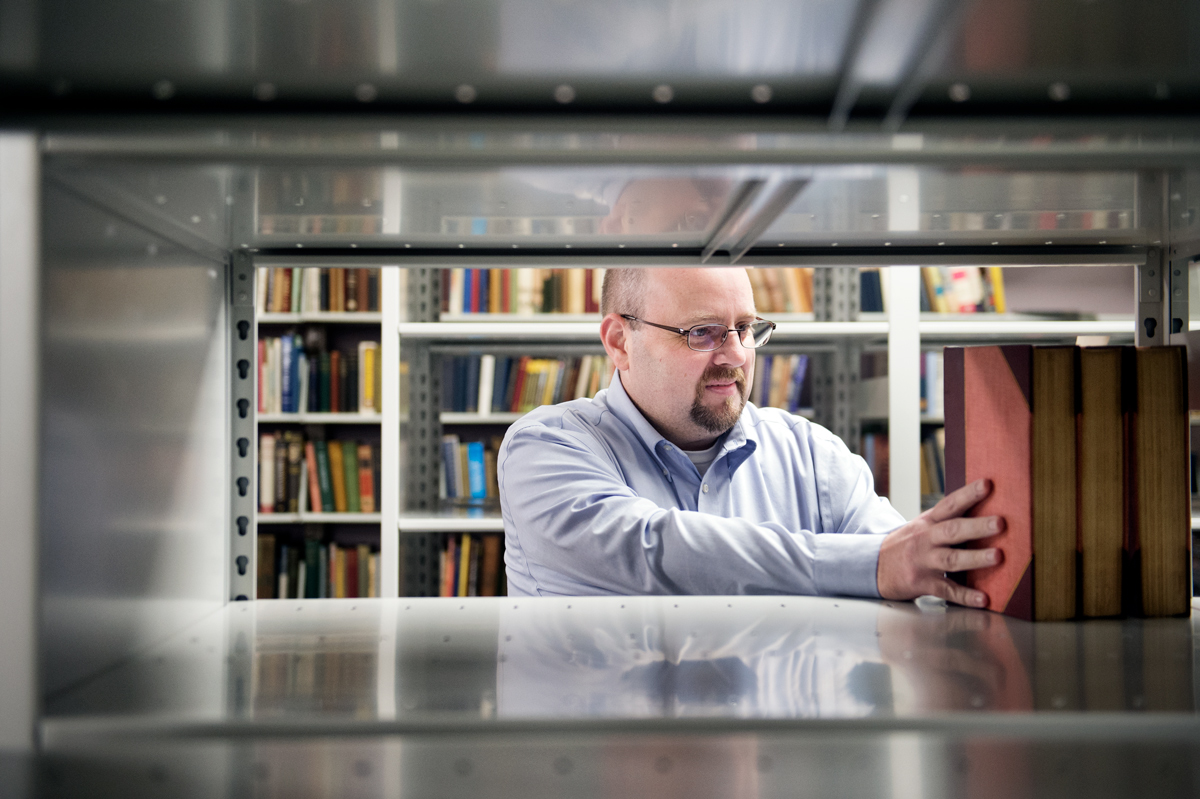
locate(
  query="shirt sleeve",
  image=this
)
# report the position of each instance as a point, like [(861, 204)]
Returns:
[(577, 523)]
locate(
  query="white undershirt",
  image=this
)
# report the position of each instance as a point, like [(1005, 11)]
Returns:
[(703, 458)]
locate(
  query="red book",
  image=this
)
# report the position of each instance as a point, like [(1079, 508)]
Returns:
[(314, 483), (589, 286), (351, 572), (366, 480), (335, 363), (476, 277), (506, 290), (1011, 417), (516, 397)]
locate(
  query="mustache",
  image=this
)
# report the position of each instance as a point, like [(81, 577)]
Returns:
[(722, 374)]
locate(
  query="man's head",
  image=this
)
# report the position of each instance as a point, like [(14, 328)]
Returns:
[(690, 397)]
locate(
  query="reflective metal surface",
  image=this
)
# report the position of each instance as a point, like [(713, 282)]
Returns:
[(869, 59), (709, 696), (428, 663), (132, 440)]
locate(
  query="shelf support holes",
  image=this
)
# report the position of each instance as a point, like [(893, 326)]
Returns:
[(243, 484), (243, 406), (1150, 323), (243, 525), (242, 562), (243, 331), (243, 367), (243, 445)]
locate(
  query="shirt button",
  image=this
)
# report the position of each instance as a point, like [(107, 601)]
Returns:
[(664, 472), (705, 489)]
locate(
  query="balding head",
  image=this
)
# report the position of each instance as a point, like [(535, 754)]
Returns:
[(623, 292)]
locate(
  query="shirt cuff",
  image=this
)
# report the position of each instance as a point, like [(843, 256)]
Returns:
[(847, 564)]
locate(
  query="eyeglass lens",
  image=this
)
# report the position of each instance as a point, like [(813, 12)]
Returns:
[(711, 337)]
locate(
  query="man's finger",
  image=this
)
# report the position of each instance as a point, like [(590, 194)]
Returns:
[(959, 560), (959, 594), (959, 502), (963, 529)]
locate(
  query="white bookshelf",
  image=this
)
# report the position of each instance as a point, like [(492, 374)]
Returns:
[(451, 520), (321, 418), (391, 301)]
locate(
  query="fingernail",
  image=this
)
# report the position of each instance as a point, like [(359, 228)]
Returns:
[(980, 486), (994, 525), (979, 600), (993, 557)]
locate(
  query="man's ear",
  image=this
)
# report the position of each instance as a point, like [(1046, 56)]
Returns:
[(614, 333)]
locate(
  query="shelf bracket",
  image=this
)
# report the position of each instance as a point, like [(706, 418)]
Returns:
[(243, 444)]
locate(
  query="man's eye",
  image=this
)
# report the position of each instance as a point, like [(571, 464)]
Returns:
[(706, 332)]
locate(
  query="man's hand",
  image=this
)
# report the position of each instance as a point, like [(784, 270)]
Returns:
[(914, 559)]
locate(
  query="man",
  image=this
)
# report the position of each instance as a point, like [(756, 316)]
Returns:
[(670, 482)]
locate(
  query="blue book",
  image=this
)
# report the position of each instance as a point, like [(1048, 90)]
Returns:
[(450, 465), (797, 388), (298, 363), (471, 392), (500, 383), (468, 289), (484, 282), (286, 370), (475, 470)]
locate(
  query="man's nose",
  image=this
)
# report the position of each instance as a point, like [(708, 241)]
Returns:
[(732, 352)]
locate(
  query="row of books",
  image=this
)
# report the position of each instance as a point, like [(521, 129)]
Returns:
[(1088, 450), (1027, 220), (498, 383), (314, 570), (780, 382), (782, 289), (521, 291), (469, 469), (287, 289), (472, 565), (292, 379), (933, 464), (339, 476), (963, 289)]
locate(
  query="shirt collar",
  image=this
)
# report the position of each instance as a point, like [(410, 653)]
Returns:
[(622, 406)]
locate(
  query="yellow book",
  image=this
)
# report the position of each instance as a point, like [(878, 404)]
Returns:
[(996, 276), (373, 574), (339, 573), (552, 368), (464, 565), (337, 472), (495, 296), (576, 286), (368, 362)]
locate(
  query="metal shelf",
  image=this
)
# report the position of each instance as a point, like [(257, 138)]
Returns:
[(321, 418), (455, 520), (319, 518), (497, 417), (988, 329)]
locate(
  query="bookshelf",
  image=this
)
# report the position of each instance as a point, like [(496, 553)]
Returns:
[(324, 402)]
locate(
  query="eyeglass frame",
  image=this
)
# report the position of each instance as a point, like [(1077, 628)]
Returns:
[(688, 339)]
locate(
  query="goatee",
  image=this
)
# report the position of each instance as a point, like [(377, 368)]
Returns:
[(720, 419)]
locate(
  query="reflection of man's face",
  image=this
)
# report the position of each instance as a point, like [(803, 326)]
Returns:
[(661, 205), (691, 397)]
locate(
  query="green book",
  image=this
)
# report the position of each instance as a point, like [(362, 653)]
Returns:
[(323, 478), (350, 461), (312, 568)]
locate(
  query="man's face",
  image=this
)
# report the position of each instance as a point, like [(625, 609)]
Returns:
[(691, 397)]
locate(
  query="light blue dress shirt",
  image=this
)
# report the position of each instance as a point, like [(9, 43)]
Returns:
[(595, 501)]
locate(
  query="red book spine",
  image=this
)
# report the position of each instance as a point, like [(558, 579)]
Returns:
[(506, 290), (475, 287), (335, 363), (521, 368), (314, 483), (589, 306), (351, 572)]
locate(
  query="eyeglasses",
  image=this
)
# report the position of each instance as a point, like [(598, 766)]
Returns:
[(706, 338)]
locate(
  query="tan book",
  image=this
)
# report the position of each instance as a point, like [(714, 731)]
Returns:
[(1160, 552), (775, 291), (758, 285), (337, 474), (576, 282), (1101, 479)]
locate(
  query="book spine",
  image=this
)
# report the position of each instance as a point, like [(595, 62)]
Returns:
[(487, 372), (476, 470), (324, 476), (266, 473), (337, 473), (266, 566), (314, 479), (366, 479), (312, 572), (350, 465), (464, 566), (955, 419)]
